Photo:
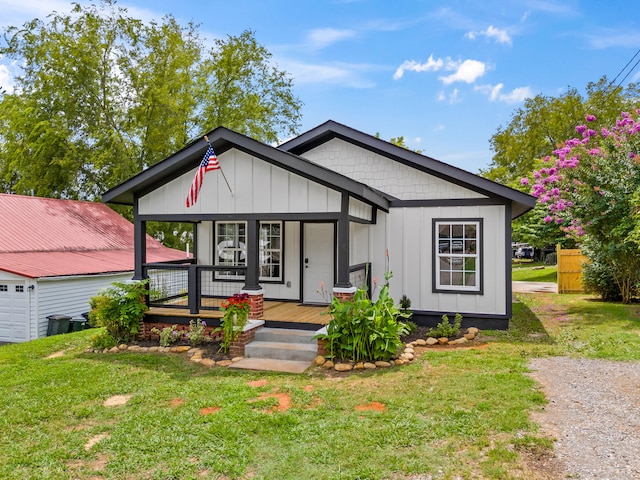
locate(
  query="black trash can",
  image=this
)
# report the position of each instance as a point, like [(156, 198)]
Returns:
[(58, 324), (77, 324)]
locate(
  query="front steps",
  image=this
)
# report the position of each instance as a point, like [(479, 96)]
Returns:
[(281, 350)]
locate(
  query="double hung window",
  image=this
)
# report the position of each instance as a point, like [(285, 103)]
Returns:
[(457, 258)]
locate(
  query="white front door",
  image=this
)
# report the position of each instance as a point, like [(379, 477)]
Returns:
[(13, 311), (318, 262)]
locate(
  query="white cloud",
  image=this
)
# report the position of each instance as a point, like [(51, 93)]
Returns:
[(430, 65), (500, 36), (347, 75), (6, 79), (468, 71), (494, 92), (323, 37)]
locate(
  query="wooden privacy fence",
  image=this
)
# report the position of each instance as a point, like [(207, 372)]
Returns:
[(570, 270)]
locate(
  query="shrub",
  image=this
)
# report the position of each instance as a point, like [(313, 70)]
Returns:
[(598, 278), (120, 308), (364, 330), (168, 335), (445, 328), (196, 334), (102, 340), (551, 258)]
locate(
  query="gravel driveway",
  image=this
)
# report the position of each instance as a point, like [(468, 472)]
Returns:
[(594, 415)]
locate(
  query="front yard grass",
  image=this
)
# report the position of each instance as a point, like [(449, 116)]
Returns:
[(460, 413)]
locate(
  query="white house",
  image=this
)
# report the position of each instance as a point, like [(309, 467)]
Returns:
[(55, 255), (333, 208)]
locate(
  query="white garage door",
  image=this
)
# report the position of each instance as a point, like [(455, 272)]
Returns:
[(13, 312)]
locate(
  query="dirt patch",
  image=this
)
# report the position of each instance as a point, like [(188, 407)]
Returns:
[(284, 401), (56, 355), (308, 388), (209, 410), (177, 402), (373, 406), (117, 400), (257, 383), (92, 441)]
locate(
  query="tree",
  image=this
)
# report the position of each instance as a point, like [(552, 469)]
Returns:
[(133, 94), (535, 131), (591, 189)]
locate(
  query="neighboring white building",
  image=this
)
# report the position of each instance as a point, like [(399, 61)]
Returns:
[(337, 207), (55, 255)]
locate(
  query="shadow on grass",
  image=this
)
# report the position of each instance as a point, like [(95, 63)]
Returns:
[(524, 327)]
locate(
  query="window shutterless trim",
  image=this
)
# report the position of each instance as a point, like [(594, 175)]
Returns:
[(435, 271)]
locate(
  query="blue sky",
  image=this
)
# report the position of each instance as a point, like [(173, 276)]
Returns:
[(442, 74)]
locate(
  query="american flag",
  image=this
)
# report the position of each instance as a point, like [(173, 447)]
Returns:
[(209, 162)]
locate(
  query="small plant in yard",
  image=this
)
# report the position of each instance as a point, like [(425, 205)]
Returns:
[(445, 328), (196, 335), (168, 335), (119, 308), (236, 314), (364, 330)]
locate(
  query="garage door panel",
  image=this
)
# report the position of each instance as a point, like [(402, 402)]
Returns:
[(13, 312)]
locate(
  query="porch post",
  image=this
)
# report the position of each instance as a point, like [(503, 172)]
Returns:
[(252, 277), (343, 245), (139, 244)]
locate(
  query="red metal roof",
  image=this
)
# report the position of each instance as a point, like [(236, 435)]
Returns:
[(43, 237)]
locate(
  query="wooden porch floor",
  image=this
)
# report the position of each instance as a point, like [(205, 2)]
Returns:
[(273, 311)]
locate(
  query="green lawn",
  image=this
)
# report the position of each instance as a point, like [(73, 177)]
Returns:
[(451, 414), (533, 272)]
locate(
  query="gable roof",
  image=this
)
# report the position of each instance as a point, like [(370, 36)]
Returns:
[(223, 139), (43, 237), (521, 202)]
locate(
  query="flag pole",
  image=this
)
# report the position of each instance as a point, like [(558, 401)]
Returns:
[(223, 175)]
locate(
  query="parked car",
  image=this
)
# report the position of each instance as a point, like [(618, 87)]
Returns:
[(524, 252)]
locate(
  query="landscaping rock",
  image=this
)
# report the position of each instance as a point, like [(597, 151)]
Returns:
[(114, 350), (369, 366), (443, 340), (319, 360), (458, 341), (180, 349), (382, 364), (473, 330), (431, 341), (359, 366), (208, 362), (196, 359), (409, 350), (133, 348), (421, 342), (153, 349), (327, 365), (343, 367), (469, 336), (236, 359), (224, 363), (123, 346)]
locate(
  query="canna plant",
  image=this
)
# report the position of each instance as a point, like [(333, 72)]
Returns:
[(362, 330)]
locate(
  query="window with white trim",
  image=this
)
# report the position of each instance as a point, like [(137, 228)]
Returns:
[(231, 249), (457, 258)]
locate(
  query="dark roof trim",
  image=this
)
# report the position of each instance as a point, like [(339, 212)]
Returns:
[(222, 140), (330, 129)]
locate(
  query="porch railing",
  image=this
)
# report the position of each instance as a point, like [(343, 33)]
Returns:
[(187, 285), (360, 276)]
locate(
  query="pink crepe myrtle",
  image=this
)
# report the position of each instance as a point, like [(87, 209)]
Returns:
[(589, 176)]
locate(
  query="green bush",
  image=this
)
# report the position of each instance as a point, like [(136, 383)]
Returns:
[(551, 258), (445, 328), (362, 330), (120, 308), (168, 335), (598, 278)]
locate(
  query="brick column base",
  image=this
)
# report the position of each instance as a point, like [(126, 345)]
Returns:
[(322, 347), (256, 303), (236, 349), (344, 294)]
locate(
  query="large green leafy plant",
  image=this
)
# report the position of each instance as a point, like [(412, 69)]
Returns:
[(361, 329), (119, 309)]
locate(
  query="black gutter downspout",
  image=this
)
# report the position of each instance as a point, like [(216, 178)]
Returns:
[(253, 256), (343, 244), (139, 243)]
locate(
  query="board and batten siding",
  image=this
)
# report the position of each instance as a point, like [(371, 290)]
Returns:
[(67, 296), (411, 259), (257, 186), (384, 174)]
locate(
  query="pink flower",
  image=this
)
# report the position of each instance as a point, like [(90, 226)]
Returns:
[(590, 118), (524, 181), (547, 219)]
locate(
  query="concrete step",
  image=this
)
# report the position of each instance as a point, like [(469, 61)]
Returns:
[(287, 335), (271, 365), (282, 350)]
